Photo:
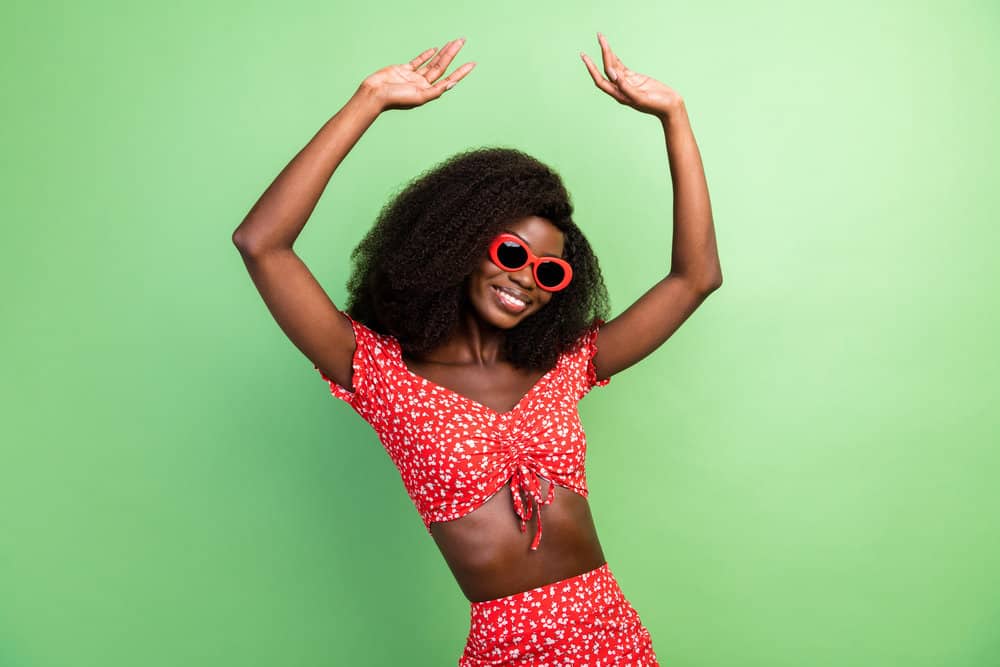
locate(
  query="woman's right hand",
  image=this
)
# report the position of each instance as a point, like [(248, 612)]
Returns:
[(412, 84)]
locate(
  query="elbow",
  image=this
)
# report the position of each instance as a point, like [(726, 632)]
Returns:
[(247, 247), (244, 237), (707, 284), (701, 284), (250, 244), (237, 241), (713, 284), (703, 278), (711, 279)]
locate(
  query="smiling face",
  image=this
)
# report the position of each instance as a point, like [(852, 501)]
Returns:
[(504, 298)]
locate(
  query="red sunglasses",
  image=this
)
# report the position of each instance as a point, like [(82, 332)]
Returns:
[(511, 254)]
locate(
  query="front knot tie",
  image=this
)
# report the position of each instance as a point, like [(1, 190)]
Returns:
[(524, 480)]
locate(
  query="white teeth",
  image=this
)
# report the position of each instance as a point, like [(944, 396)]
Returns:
[(509, 298)]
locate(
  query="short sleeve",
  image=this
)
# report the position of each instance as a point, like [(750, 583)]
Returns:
[(581, 361), (369, 347), (589, 350)]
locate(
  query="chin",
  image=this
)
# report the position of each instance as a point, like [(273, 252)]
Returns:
[(503, 320)]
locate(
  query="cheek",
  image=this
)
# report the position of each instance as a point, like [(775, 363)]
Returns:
[(485, 272), (478, 279), (543, 299)]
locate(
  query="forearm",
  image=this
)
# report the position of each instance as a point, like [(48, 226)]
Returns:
[(694, 248), (278, 217)]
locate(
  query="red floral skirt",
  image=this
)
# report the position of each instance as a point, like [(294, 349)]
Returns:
[(583, 620)]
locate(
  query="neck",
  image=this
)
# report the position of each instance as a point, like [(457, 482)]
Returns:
[(471, 341)]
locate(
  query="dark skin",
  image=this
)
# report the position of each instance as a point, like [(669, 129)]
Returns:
[(486, 551)]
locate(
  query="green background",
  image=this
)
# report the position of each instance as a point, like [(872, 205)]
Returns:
[(804, 474)]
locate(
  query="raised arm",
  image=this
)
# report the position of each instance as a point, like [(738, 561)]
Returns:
[(266, 236), (694, 270)]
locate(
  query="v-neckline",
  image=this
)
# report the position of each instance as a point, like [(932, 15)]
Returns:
[(440, 387)]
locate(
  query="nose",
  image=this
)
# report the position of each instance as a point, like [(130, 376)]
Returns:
[(525, 278)]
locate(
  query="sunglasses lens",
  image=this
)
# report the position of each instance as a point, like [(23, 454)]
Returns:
[(550, 274), (512, 255)]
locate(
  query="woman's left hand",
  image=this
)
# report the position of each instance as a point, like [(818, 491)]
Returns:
[(631, 88)]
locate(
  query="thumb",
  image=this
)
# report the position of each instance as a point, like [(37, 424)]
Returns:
[(620, 77), (622, 80)]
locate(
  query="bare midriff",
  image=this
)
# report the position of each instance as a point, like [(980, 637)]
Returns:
[(491, 558)]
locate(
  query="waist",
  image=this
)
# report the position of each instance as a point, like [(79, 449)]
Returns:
[(491, 557)]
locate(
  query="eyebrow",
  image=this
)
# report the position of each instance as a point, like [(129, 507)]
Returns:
[(511, 231)]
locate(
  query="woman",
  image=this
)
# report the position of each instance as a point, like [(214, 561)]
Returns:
[(473, 328)]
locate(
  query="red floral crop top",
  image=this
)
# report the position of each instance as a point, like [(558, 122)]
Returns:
[(454, 453)]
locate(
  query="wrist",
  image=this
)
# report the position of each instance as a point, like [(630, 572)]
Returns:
[(675, 112), (366, 98)]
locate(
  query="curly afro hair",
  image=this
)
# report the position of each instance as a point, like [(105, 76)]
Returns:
[(410, 270)]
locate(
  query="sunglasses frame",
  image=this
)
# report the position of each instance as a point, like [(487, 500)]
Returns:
[(533, 259)]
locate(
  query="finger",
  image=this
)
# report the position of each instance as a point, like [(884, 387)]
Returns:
[(439, 64), (615, 61), (423, 68), (439, 88), (453, 78), (612, 63), (607, 56), (600, 81), (413, 64)]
